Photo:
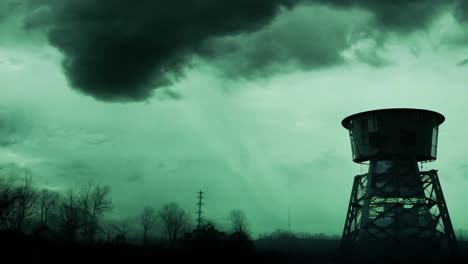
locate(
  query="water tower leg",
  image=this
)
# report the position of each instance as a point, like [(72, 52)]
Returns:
[(439, 211), (353, 216)]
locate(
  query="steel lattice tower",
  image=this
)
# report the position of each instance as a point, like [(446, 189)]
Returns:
[(395, 209), (200, 212)]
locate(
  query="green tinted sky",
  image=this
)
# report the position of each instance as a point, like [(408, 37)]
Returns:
[(257, 134)]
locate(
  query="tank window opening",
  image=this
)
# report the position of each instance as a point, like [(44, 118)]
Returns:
[(353, 146)]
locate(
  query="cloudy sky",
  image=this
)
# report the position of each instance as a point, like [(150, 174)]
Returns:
[(241, 99)]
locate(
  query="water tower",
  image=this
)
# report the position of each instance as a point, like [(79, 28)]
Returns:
[(396, 209)]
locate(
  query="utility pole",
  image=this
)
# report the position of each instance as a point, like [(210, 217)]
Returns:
[(199, 212), (289, 220)]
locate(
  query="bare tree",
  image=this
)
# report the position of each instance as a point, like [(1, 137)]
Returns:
[(147, 220), (7, 196), (70, 216), (101, 200), (7, 178), (173, 219), (108, 230), (122, 228), (94, 202), (48, 203), (25, 204), (239, 221)]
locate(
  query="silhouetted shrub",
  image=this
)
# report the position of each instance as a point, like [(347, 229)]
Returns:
[(205, 237), (240, 242)]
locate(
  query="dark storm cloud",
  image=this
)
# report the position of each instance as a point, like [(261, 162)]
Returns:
[(122, 50), (292, 39), (460, 11), (398, 15)]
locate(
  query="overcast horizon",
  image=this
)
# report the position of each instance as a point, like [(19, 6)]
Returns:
[(242, 100)]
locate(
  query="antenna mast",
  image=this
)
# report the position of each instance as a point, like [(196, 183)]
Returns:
[(200, 212)]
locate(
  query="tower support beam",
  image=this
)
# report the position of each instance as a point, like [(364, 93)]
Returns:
[(398, 212)]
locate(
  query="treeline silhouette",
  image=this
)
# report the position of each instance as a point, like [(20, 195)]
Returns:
[(45, 224), (78, 214), (49, 223)]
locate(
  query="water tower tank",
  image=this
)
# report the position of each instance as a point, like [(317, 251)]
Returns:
[(395, 208), (394, 132)]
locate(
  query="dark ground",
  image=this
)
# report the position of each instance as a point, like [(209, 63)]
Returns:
[(16, 248)]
